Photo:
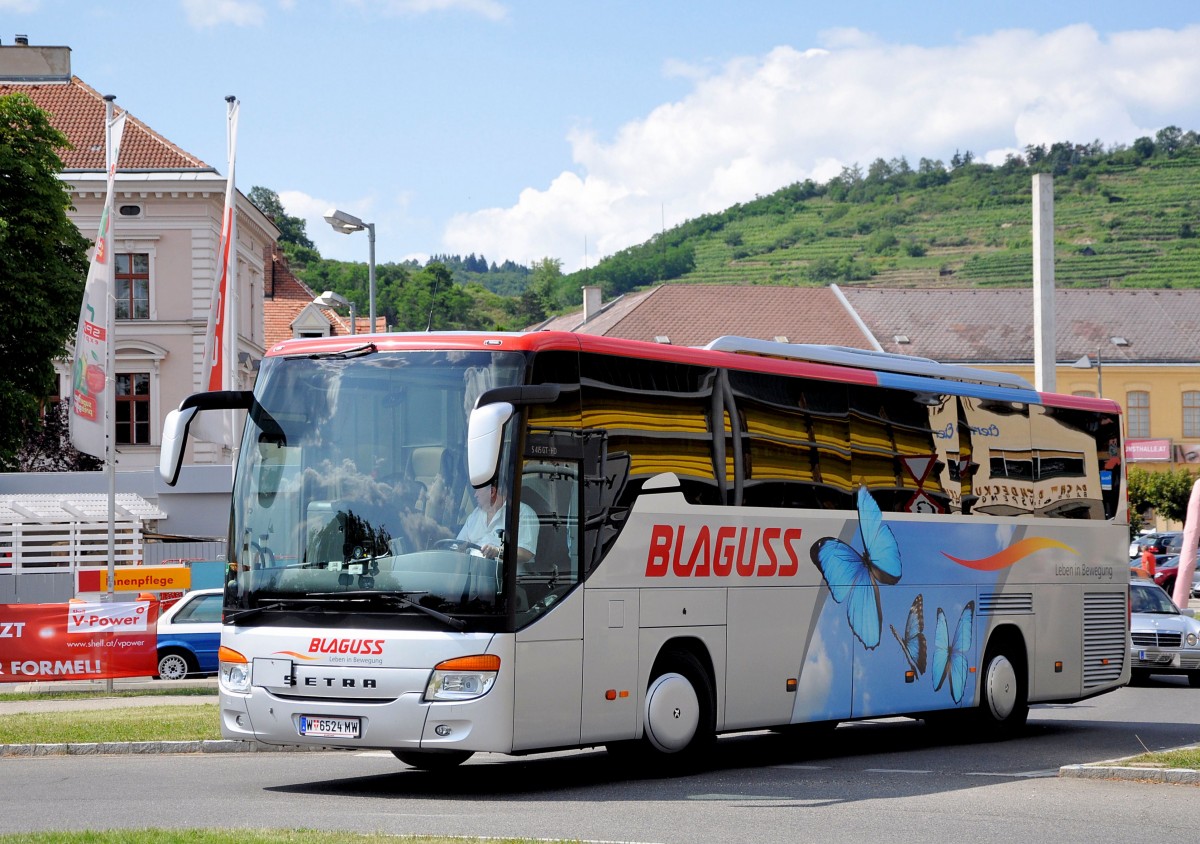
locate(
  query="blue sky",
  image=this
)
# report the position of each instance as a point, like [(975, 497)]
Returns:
[(525, 129)]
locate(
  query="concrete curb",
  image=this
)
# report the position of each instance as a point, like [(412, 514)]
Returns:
[(1178, 776), (108, 748), (1113, 769)]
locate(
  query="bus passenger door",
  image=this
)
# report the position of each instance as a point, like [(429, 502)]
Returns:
[(549, 642)]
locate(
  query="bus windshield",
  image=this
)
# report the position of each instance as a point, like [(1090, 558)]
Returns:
[(351, 485)]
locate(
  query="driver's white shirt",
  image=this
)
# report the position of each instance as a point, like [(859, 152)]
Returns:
[(480, 530)]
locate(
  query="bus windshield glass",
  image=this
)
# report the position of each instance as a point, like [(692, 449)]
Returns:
[(352, 484)]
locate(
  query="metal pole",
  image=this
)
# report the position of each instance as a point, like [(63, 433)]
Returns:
[(1099, 376), (371, 272), (110, 410), (353, 319)]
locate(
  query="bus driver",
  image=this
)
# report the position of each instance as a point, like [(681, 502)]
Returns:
[(484, 525)]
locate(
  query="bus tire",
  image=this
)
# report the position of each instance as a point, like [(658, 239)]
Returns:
[(1003, 692), (433, 760), (680, 706)]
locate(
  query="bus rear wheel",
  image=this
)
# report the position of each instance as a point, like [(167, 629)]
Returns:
[(1003, 695), (433, 760)]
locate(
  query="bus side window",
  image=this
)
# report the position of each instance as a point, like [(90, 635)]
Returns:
[(551, 489)]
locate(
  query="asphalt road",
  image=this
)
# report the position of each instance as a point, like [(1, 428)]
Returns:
[(890, 781)]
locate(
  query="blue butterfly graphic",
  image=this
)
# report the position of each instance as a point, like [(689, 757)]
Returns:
[(913, 640), (853, 576), (951, 656)]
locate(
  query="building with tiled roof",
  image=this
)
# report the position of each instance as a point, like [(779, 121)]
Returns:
[(694, 314), (166, 237), (289, 310), (1140, 348)]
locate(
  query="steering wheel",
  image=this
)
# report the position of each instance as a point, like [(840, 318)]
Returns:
[(461, 545), (261, 556)]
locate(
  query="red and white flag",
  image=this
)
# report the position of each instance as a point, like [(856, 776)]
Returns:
[(91, 382), (220, 340)]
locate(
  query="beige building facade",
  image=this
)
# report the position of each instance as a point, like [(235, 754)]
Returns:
[(166, 238)]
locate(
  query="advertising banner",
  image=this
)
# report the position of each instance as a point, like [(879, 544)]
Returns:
[(1146, 451), (77, 641), (135, 579)]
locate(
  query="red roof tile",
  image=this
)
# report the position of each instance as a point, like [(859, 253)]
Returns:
[(77, 110), (694, 314), (286, 296)]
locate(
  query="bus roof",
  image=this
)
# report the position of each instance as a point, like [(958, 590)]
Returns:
[(832, 363)]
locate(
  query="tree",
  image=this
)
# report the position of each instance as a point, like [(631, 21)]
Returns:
[(293, 234), (1167, 493), (47, 446), (43, 266)]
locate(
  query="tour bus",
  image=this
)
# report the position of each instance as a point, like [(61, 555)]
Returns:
[(691, 541)]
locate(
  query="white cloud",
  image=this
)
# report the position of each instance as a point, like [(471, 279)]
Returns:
[(202, 14), (19, 6), (759, 123)]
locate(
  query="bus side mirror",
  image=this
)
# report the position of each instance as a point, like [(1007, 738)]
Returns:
[(175, 426), (485, 432), (174, 438)]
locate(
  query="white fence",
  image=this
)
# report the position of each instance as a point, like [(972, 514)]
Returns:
[(44, 533)]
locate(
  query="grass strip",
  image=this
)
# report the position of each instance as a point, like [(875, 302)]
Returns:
[(140, 723), (183, 691), (1184, 757), (242, 836)]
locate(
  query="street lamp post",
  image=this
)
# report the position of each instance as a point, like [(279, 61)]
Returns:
[(348, 224), (1085, 362), (329, 299)]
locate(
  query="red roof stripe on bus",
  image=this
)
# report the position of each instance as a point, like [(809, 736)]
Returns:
[(1088, 403), (541, 341)]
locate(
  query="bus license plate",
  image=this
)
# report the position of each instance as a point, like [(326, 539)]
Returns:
[(330, 727)]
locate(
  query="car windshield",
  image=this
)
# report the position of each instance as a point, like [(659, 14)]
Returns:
[(352, 476), (1150, 599)]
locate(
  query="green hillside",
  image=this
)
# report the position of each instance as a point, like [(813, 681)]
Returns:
[(1123, 218)]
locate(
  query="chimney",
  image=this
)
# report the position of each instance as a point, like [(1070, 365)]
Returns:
[(591, 303), (22, 64)]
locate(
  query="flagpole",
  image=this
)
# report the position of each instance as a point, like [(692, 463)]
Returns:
[(233, 295), (110, 415)]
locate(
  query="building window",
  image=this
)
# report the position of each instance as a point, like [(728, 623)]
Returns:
[(133, 285), (1089, 394), (133, 408), (1191, 413), (1137, 414)]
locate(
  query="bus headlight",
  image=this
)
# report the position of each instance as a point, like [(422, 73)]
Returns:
[(234, 671), (464, 678)]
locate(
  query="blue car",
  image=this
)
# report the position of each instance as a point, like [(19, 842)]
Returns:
[(189, 635)]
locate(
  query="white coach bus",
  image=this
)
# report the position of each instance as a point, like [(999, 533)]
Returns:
[(743, 536)]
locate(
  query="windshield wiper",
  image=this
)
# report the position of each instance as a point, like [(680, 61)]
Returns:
[(395, 597), (356, 352)]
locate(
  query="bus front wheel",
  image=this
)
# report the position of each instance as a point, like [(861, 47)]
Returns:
[(680, 716), (433, 760), (1003, 697)]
